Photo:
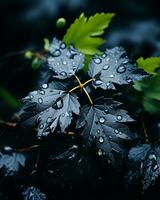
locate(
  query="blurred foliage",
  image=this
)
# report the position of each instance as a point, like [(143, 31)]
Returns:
[(149, 64), (150, 93)]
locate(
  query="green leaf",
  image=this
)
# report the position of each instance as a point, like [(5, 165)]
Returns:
[(84, 33), (149, 64), (36, 63), (46, 44), (150, 89), (28, 55), (9, 99)]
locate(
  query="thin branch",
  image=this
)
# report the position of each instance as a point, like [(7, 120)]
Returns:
[(90, 100), (145, 132), (8, 124), (30, 148), (75, 88)]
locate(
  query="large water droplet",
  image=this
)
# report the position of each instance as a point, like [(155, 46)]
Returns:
[(101, 140), (97, 60), (152, 156), (42, 92), (111, 76), (45, 86), (100, 152), (98, 82), (40, 100), (56, 53), (101, 120), (121, 69), (116, 131), (119, 117), (49, 120), (105, 67), (63, 74), (41, 126), (62, 45)]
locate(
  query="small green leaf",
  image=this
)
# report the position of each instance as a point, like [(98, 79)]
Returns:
[(149, 64), (60, 23), (83, 33), (150, 89), (28, 54), (9, 99), (36, 63), (46, 44)]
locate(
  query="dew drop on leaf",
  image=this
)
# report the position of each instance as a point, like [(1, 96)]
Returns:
[(119, 117), (97, 82), (152, 156), (116, 131), (104, 55), (56, 53), (42, 92), (31, 96), (58, 104), (99, 152), (121, 69), (101, 140), (101, 120), (105, 67), (40, 100), (45, 86), (97, 60), (63, 74), (62, 45), (64, 62), (112, 75), (41, 126), (48, 120)]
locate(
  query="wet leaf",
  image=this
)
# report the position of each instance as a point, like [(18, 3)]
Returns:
[(11, 161), (49, 107), (113, 67), (145, 164), (64, 62), (33, 193), (102, 124)]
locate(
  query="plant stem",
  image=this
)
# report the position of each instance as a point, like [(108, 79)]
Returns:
[(9, 124), (75, 88), (30, 148), (145, 132), (90, 100)]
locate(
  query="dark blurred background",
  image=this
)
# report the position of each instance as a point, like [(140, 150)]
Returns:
[(24, 24)]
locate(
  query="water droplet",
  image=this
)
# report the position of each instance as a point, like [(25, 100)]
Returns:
[(119, 117), (41, 126), (121, 69), (101, 140), (98, 131), (104, 55), (106, 111), (116, 131), (110, 136), (74, 68), (63, 74), (64, 62), (7, 148), (63, 114), (98, 82), (56, 53), (107, 59), (97, 60), (109, 161), (108, 84), (128, 80), (105, 67), (31, 96), (49, 120), (102, 120), (152, 156), (62, 45), (100, 152), (155, 167), (111, 76), (40, 100), (45, 86), (125, 61), (42, 92)]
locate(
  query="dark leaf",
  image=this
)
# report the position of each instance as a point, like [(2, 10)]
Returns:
[(33, 193), (146, 158), (64, 62), (113, 67), (102, 124), (10, 161), (49, 107)]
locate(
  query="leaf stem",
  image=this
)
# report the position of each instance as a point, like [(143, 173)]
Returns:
[(145, 132), (30, 148), (90, 100), (9, 124), (75, 88)]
